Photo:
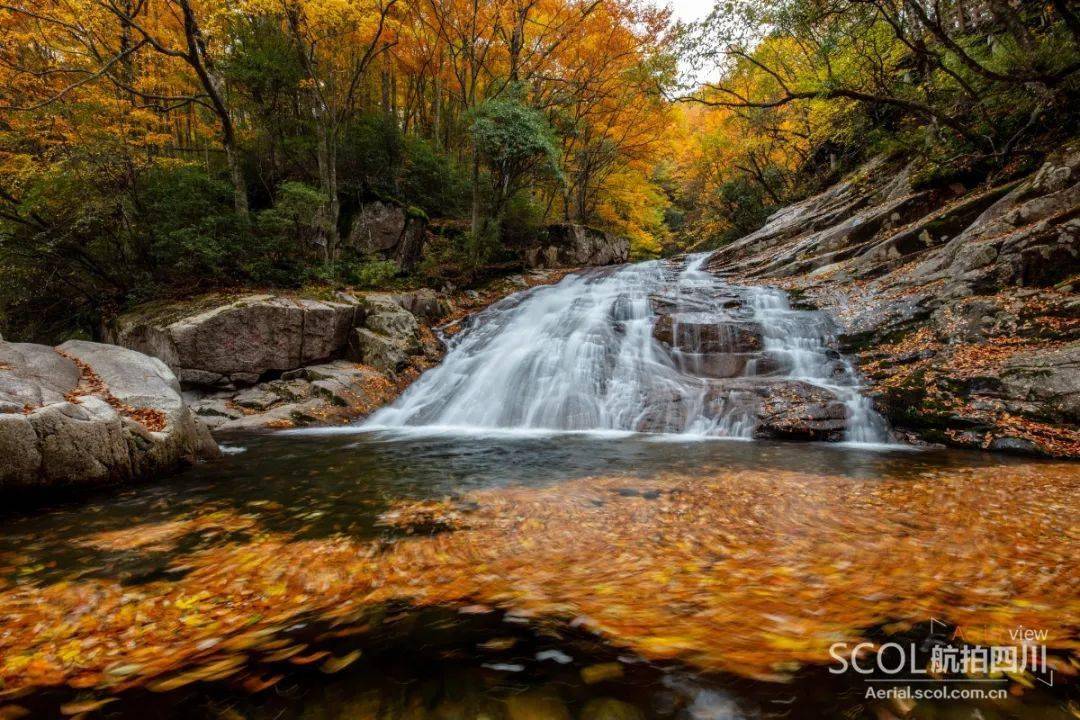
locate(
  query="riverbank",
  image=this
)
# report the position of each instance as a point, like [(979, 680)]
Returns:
[(958, 303)]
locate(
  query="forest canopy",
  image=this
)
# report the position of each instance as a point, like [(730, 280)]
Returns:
[(155, 148)]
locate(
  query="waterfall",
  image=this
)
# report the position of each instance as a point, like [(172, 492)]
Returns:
[(650, 347)]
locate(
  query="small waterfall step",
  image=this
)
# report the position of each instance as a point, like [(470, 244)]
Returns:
[(651, 347)]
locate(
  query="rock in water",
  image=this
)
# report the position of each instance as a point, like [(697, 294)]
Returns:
[(798, 410), (87, 413)]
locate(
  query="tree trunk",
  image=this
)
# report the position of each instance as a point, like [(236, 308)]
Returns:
[(437, 122), (197, 57), (475, 223), (326, 154), (236, 176)]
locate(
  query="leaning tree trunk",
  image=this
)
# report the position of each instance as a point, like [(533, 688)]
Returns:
[(212, 83)]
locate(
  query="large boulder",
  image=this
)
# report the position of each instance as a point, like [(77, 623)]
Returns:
[(239, 340), (33, 375), (570, 245), (87, 413), (265, 361), (389, 230), (228, 342), (765, 407), (425, 304)]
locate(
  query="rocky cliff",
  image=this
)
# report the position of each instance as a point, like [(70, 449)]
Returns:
[(85, 413), (959, 303)]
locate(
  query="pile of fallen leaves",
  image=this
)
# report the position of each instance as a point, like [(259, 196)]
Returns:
[(90, 383), (163, 536), (753, 572), (935, 364)]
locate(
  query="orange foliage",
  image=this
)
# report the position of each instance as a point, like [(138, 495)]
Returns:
[(755, 573)]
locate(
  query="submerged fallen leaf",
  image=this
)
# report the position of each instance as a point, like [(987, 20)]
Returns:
[(601, 672), (749, 572), (85, 706), (337, 664)]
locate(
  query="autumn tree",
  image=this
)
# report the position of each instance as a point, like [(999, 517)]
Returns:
[(919, 58), (159, 147), (337, 41), (179, 30), (804, 88)]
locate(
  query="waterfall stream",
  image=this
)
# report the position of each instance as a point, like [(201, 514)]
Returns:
[(650, 347)]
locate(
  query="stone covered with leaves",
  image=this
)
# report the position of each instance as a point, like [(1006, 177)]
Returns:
[(85, 413), (961, 305)]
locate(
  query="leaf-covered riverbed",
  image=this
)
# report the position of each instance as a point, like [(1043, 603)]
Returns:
[(728, 569)]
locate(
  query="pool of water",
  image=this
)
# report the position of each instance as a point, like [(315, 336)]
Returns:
[(315, 483), (442, 663)]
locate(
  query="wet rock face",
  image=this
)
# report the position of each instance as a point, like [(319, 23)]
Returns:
[(87, 413), (700, 333), (569, 245), (735, 364), (797, 410), (770, 408), (749, 351), (962, 309)]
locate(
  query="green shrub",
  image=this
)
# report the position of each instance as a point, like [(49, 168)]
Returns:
[(372, 274)]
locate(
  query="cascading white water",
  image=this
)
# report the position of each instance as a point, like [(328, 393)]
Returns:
[(583, 355)]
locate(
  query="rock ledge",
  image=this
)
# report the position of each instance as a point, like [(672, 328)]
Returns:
[(86, 413)]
